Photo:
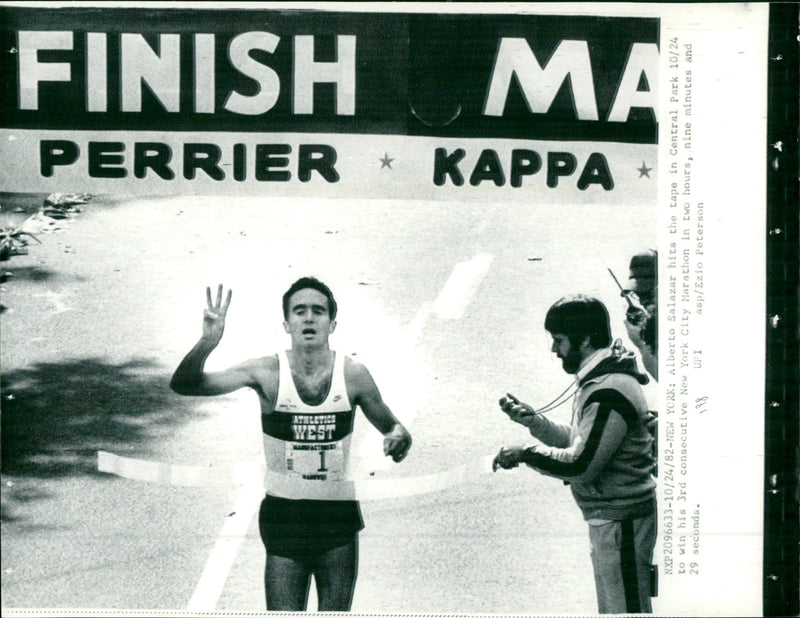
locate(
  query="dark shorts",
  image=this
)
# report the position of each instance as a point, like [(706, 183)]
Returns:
[(301, 529)]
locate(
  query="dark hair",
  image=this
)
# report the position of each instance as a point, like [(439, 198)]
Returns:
[(579, 317), (315, 284), (644, 265), (644, 274)]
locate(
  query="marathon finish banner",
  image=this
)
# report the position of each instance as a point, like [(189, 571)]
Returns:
[(216, 100)]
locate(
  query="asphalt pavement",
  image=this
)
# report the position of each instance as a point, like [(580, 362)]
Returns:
[(444, 302)]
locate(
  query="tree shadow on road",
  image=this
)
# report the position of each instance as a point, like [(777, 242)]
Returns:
[(30, 273), (56, 416)]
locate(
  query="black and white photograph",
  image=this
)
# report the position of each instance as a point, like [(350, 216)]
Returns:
[(385, 308)]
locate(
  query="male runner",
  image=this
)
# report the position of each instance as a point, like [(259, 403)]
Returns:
[(605, 454), (310, 518)]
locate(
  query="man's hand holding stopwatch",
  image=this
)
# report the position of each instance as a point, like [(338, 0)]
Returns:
[(517, 411)]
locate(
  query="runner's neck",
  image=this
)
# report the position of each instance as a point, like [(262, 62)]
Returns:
[(312, 373), (310, 362)]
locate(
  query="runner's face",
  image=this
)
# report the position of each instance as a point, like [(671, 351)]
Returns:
[(570, 357), (309, 322)]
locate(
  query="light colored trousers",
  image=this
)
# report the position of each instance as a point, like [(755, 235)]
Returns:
[(622, 555)]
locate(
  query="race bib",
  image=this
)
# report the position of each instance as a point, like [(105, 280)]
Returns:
[(323, 462)]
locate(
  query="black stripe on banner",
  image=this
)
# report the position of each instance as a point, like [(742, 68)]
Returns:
[(630, 576)]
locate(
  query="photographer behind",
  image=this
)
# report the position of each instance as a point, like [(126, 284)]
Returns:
[(642, 316), (605, 455)]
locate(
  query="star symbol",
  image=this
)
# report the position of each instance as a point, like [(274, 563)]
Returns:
[(386, 161), (644, 170)]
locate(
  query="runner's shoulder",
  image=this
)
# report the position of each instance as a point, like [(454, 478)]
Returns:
[(261, 368), (356, 372), (264, 372), (354, 369)]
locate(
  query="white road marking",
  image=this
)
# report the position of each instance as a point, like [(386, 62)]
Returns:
[(453, 300), (219, 563), (249, 475), (461, 286)]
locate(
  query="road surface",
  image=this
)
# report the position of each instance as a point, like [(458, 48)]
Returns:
[(444, 302)]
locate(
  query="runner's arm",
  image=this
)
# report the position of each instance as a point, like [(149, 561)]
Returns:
[(190, 378), (365, 394)]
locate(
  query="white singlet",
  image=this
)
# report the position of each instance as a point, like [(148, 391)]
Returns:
[(307, 448)]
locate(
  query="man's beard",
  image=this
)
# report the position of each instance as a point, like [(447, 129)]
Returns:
[(572, 361)]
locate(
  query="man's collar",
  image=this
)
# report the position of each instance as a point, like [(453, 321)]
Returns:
[(592, 361)]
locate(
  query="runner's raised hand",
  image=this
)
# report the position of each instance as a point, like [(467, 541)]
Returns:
[(214, 315)]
